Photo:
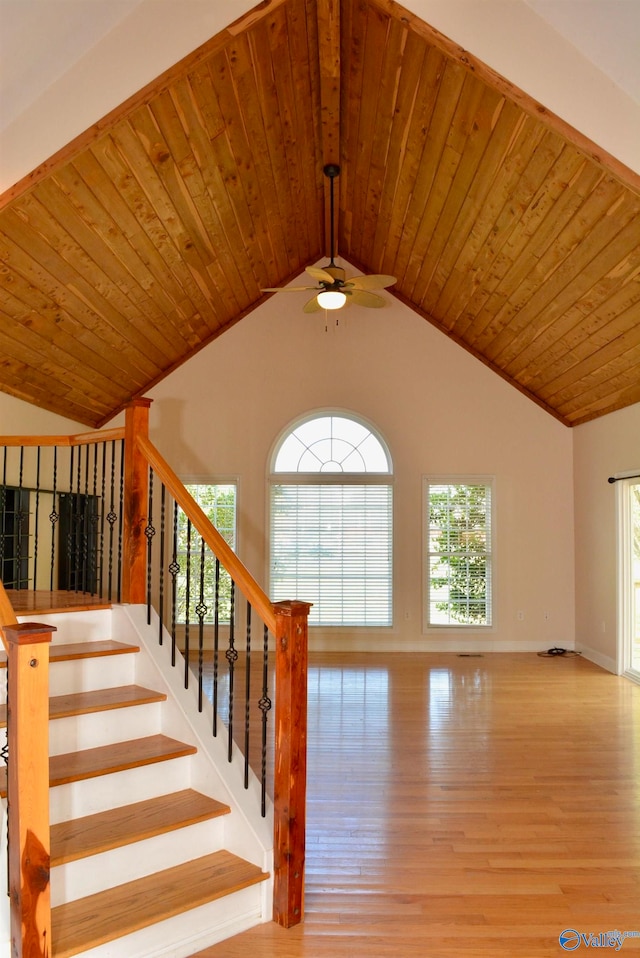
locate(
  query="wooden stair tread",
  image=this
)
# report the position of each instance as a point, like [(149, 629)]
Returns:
[(88, 922), (92, 762), (102, 700), (81, 837), (66, 652), (99, 700)]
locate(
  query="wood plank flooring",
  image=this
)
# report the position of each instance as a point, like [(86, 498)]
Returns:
[(464, 806)]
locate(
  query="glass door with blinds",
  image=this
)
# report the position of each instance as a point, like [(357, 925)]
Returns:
[(629, 567)]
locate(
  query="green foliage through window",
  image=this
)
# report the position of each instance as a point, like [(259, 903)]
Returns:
[(459, 554), (196, 587)]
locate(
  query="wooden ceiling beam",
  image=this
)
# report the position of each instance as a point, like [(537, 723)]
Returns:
[(328, 14)]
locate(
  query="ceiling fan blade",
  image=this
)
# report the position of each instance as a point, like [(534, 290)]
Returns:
[(312, 306), (321, 275), (362, 297), (371, 282), (285, 289)]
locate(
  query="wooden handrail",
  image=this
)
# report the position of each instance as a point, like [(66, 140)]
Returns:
[(81, 439), (221, 549)]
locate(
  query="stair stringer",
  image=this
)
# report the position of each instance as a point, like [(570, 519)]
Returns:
[(247, 833)]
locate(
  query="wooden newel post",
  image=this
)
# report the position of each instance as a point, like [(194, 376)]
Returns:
[(28, 788), (290, 774), (136, 494)]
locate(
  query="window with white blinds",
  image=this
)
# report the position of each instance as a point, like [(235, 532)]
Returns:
[(459, 564), (332, 523)]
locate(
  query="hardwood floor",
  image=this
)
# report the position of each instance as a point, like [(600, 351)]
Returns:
[(464, 806)]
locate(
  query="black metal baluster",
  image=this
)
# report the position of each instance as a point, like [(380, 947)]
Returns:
[(174, 569), (20, 521), (149, 533), (36, 517), (232, 657), (85, 525), (70, 517), (201, 611), (112, 518), (120, 522), (187, 603), (103, 480), (247, 698), (216, 647), (264, 705), (79, 527), (94, 520), (163, 494), (54, 516)]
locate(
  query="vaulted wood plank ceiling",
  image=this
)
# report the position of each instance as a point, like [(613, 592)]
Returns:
[(156, 230)]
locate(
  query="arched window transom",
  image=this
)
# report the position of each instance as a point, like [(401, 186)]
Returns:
[(331, 444)]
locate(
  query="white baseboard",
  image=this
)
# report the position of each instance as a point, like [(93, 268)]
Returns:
[(428, 642), (604, 661)]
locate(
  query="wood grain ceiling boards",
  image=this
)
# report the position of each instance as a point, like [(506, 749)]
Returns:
[(155, 231)]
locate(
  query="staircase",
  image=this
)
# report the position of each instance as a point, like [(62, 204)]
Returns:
[(154, 852)]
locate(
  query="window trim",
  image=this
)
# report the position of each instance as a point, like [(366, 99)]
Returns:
[(458, 480), (319, 414), (332, 478)]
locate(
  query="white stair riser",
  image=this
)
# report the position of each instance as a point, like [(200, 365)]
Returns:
[(189, 933), (86, 675), (90, 875), (91, 795), (94, 729), (89, 626)]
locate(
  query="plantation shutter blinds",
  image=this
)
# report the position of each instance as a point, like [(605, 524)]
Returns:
[(331, 544)]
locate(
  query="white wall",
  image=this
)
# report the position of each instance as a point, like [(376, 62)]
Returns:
[(602, 448), (18, 418), (507, 35), (441, 412)]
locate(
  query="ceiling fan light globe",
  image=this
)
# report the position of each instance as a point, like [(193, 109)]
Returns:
[(331, 299)]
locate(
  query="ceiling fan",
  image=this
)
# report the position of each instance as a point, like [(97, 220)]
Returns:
[(333, 290)]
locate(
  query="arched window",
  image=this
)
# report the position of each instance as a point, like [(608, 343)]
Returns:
[(331, 521)]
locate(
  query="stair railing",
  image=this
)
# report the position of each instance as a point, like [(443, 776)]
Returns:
[(145, 470), (61, 513), (111, 549)]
